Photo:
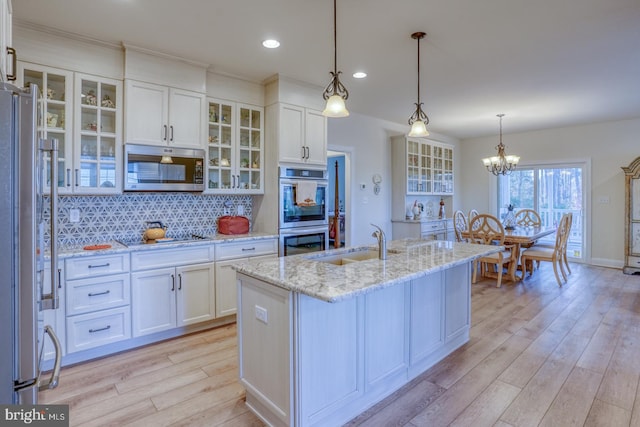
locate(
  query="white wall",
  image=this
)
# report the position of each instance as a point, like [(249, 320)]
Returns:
[(609, 145), (371, 142)]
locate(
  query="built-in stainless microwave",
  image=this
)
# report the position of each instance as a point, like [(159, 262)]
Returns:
[(154, 168)]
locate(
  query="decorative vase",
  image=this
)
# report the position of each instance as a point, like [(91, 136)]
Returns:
[(441, 213), (509, 220)]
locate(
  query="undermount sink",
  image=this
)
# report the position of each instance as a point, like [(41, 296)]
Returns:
[(349, 257)]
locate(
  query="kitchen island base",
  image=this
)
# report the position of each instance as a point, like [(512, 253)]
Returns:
[(307, 362)]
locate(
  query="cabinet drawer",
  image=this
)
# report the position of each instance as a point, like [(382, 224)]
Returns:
[(95, 329), (247, 248), (97, 294), (432, 226), (633, 261), (160, 258), (80, 268)]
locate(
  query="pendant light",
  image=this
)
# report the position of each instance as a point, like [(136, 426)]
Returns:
[(501, 164), (418, 119), (335, 93)]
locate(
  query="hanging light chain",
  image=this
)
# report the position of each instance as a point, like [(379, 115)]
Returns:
[(418, 114), (335, 86)]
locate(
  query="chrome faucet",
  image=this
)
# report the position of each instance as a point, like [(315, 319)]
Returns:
[(382, 242)]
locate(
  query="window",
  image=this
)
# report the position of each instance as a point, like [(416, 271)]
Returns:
[(552, 191)]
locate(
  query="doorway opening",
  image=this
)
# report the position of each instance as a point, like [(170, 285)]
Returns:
[(339, 171)]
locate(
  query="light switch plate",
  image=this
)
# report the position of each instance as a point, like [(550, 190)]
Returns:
[(74, 215), (262, 314)]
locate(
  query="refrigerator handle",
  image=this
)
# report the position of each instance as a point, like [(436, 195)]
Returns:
[(50, 301), (52, 382)]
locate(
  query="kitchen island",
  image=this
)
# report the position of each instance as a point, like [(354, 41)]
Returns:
[(324, 336)]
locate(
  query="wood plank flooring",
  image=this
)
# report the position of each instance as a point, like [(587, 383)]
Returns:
[(538, 355)]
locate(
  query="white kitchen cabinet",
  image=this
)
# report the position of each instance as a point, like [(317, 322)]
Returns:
[(97, 166), (228, 254), (167, 298), (97, 301), (235, 148), (55, 116), (302, 136), (422, 167), (54, 318), (7, 55), (162, 115), (436, 229)]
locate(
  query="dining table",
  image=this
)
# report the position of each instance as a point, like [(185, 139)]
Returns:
[(517, 237)]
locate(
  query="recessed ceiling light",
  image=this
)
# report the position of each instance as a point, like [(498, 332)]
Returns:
[(360, 75), (271, 43)]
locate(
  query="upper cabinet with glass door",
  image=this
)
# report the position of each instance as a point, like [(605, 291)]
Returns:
[(427, 166), (235, 148), (55, 115), (98, 144)]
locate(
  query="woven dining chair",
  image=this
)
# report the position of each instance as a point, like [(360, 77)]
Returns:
[(551, 254), (460, 225), (487, 230)]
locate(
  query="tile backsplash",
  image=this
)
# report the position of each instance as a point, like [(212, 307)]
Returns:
[(106, 218)]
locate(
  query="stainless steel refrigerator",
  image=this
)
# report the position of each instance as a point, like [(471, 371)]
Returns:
[(24, 159)]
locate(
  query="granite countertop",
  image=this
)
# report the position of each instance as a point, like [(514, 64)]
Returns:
[(407, 259), (117, 247)]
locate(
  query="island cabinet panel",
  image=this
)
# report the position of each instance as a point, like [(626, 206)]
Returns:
[(457, 302), (265, 350), (386, 340), (307, 362), (427, 326), (328, 339)]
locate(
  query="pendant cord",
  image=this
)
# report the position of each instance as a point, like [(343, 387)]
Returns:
[(335, 39), (418, 70)]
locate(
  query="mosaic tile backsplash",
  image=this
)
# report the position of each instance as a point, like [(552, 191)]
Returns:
[(106, 218)]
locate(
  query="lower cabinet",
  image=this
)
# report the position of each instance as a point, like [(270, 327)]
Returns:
[(228, 254), (437, 229), (97, 299), (166, 298)]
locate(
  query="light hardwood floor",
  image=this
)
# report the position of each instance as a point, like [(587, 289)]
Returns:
[(538, 355)]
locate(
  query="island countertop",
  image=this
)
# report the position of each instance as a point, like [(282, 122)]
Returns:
[(406, 259)]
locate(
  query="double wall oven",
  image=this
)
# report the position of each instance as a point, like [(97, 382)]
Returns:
[(303, 215)]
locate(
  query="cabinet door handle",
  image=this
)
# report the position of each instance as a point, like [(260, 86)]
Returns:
[(173, 283), (171, 133), (99, 265), (233, 181), (106, 328), (164, 133), (95, 294), (59, 278), (307, 151), (238, 184), (77, 180), (248, 249), (303, 152), (68, 177), (14, 61), (179, 282)]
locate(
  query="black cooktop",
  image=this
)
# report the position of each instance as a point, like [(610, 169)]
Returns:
[(169, 239)]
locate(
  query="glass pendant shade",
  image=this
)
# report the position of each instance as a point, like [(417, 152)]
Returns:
[(418, 128), (166, 160), (335, 107)]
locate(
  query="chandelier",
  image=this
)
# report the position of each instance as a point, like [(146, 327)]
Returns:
[(418, 119), (501, 164), (335, 93)]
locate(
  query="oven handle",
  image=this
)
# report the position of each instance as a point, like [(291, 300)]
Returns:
[(300, 231), (321, 182)]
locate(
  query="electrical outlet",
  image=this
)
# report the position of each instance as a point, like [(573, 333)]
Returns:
[(262, 314), (240, 209), (74, 215)]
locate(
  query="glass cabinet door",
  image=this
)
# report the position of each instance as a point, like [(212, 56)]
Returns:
[(219, 146), (54, 116), (250, 149), (98, 141)]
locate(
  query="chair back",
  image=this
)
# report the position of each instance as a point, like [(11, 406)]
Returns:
[(472, 213), (562, 234), (486, 229), (528, 218), (460, 225)]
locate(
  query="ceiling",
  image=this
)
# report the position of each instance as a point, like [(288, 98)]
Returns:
[(544, 64)]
